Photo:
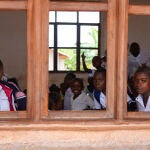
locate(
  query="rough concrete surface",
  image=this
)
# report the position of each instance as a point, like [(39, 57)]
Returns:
[(75, 140)]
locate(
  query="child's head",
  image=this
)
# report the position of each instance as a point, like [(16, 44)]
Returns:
[(55, 102), (135, 49), (1, 69), (68, 78), (142, 80), (77, 86), (99, 79), (96, 61)]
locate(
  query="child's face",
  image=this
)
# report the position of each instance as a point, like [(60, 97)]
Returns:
[(76, 88), (96, 62), (142, 83), (99, 81)]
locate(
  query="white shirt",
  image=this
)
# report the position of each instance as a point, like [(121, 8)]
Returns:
[(4, 103), (67, 99), (133, 64), (83, 101), (102, 99), (140, 104)]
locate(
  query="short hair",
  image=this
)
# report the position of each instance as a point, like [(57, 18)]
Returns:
[(78, 80), (135, 49), (102, 71), (143, 69), (70, 75)]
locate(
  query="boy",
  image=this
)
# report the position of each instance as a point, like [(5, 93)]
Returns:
[(99, 94), (80, 100)]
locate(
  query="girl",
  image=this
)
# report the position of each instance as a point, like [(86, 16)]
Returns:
[(142, 86), (99, 81), (79, 100)]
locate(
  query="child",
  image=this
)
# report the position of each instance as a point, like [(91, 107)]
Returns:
[(142, 86), (96, 62), (68, 93), (55, 101), (99, 82), (80, 100)]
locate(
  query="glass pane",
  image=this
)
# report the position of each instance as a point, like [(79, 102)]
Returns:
[(89, 36), (51, 16), (89, 17), (67, 35), (13, 54), (66, 59), (51, 35), (144, 2), (138, 56), (51, 59), (67, 16), (89, 54)]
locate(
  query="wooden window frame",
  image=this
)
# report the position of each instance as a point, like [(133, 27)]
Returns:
[(111, 63), (125, 9), (37, 58), (18, 6)]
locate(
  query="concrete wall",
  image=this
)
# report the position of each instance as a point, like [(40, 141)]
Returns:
[(75, 139)]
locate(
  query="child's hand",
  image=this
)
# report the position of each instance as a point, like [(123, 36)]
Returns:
[(83, 56)]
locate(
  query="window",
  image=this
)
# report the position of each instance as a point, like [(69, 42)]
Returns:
[(111, 46), (38, 52), (125, 37), (70, 35)]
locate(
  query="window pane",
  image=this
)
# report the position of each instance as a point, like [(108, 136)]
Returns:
[(51, 35), (13, 54), (51, 16), (66, 59), (66, 16), (89, 55), (51, 59), (67, 35), (89, 36), (138, 56), (89, 17)]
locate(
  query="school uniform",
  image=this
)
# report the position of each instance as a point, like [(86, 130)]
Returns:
[(6, 99), (82, 102), (99, 100), (67, 99), (140, 104), (133, 64)]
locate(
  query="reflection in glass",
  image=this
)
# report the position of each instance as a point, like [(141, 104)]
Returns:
[(67, 35)]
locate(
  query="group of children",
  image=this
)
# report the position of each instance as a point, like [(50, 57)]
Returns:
[(77, 97), (74, 96)]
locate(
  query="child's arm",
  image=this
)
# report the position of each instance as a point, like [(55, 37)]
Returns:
[(84, 64)]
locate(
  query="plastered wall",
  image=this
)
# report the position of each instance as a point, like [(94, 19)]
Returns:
[(13, 44)]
